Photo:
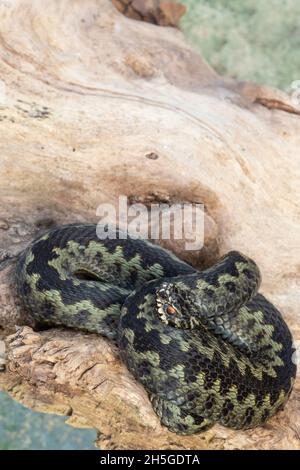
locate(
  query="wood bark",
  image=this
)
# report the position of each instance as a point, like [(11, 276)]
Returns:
[(99, 105)]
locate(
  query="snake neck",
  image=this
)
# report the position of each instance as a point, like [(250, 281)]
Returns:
[(208, 296)]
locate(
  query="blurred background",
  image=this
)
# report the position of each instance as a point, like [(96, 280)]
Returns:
[(246, 39), (253, 40)]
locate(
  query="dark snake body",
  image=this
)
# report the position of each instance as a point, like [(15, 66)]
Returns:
[(206, 346)]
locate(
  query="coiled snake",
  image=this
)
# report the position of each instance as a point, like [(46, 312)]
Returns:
[(206, 346)]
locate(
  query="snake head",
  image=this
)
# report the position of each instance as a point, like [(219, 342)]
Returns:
[(172, 306)]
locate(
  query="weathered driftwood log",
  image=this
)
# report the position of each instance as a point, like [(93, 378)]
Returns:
[(99, 105)]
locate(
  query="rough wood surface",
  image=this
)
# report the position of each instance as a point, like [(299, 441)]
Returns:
[(91, 96), (161, 12)]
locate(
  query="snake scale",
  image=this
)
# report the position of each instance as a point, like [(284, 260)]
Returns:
[(207, 347)]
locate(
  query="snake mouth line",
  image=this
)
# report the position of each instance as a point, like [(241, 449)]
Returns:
[(85, 275)]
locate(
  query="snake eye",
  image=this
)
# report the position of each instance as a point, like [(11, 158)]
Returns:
[(171, 310)]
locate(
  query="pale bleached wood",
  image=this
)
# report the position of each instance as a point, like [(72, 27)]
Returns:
[(89, 95)]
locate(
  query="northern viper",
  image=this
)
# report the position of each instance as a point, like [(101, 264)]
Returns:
[(205, 344)]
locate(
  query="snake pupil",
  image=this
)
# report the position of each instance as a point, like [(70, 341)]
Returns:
[(171, 310)]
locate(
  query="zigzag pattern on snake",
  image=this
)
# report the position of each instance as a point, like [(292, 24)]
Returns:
[(207, 347)]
